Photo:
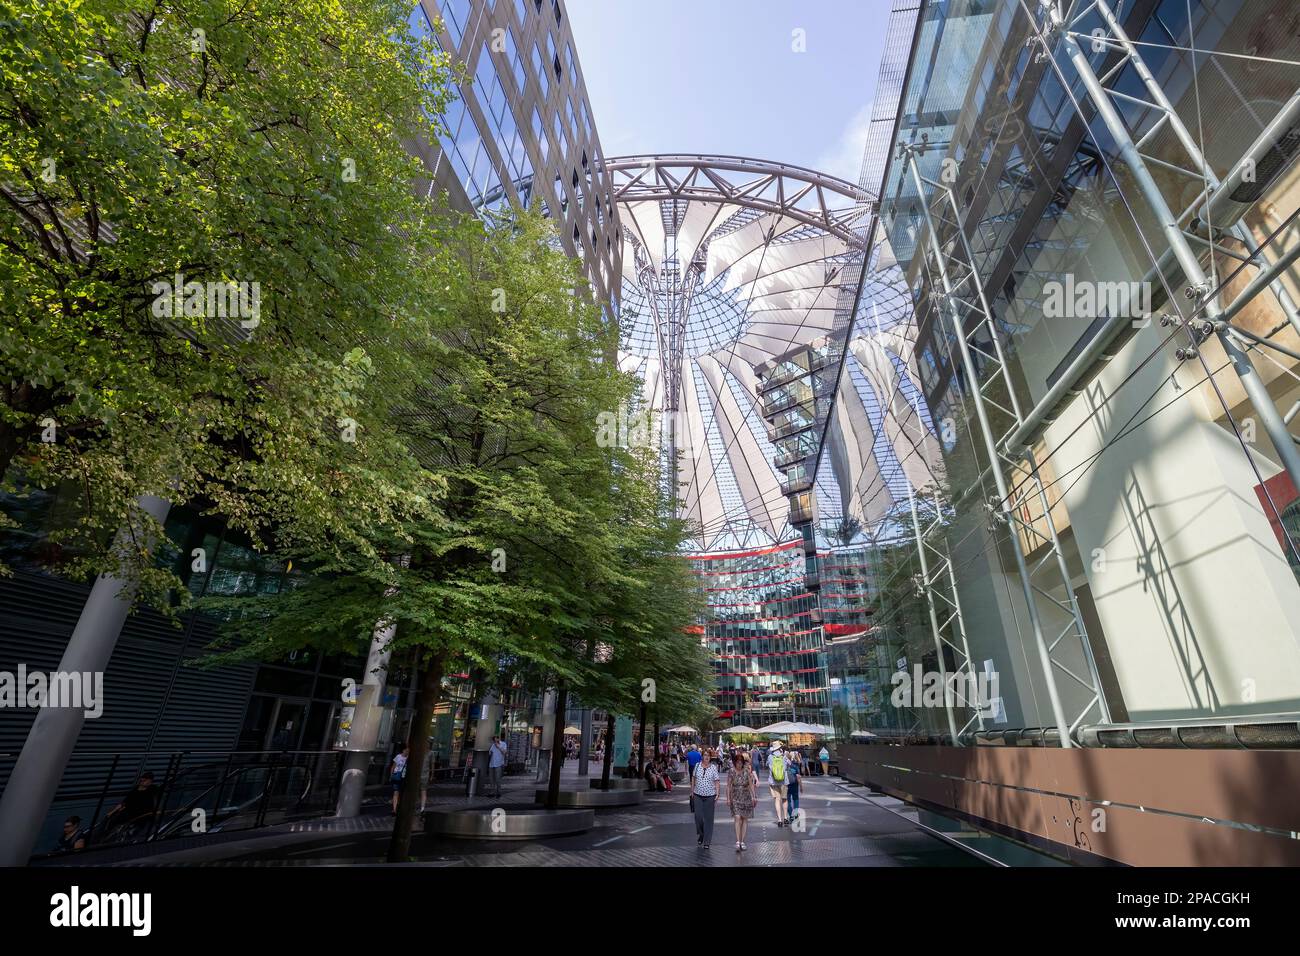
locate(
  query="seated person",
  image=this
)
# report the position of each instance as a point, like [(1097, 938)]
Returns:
[(661, 768), (654, 782)]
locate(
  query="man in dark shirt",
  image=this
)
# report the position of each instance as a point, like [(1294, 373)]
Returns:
[(139, 804)]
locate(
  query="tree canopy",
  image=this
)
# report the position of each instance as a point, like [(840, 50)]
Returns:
[(207, 231)]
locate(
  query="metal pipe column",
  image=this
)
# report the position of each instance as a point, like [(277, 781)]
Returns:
[(356, 763), (960, 621)]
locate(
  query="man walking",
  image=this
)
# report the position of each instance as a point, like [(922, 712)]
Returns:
[(496, 764), (692, 758), (776, 781)]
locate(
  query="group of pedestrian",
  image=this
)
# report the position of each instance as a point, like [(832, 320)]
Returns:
[(132, 815), (783, 768), (496, 765)]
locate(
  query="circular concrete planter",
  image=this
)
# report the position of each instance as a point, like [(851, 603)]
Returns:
[(523, 824), (618, 783), (594, 798)]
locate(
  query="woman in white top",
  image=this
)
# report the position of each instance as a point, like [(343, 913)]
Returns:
[(704, 794)]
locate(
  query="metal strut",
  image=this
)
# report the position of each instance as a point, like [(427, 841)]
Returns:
[(1170, 224), (934, 617), (938, 575), (1008, 503)]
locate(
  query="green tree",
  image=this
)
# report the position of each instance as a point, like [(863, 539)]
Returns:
[(648, 600), (151, 153), (542, 530)]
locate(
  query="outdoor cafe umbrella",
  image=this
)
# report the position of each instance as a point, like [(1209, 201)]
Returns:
[(817, 730), (572, 730), (740, 729), (780, 727)]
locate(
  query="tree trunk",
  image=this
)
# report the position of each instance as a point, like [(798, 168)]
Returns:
[(656, 750), (399, 847), (557, 749), (465, 761), (609, 750)]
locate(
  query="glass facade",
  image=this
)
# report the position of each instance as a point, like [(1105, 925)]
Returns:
[(1153, 512), (514, 135)]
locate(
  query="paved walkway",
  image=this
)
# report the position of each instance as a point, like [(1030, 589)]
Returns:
[(844, 828)]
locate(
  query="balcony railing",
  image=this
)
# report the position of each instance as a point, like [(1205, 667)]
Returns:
[(796, 485), (781, 375)]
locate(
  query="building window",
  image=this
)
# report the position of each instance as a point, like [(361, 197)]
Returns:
[(515, 60), (555, 57), (418, 21), (540, 70), (539, 131), (455, 14)]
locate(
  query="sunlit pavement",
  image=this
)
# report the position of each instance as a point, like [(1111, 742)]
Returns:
[(841, 829)]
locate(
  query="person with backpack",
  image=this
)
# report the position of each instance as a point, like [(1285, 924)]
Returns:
[(793, 771), (776, 781)]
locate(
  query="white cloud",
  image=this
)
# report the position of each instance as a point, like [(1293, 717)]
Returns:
[(844, 159)]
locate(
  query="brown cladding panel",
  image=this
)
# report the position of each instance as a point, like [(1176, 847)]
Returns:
[(1050, 794)]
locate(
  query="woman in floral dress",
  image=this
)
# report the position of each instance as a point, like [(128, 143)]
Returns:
[(740, 796)]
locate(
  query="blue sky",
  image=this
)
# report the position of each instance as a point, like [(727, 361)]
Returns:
[(721, 76)]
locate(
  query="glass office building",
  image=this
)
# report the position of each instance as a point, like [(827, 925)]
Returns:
[(763, 635), (521, 130)]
